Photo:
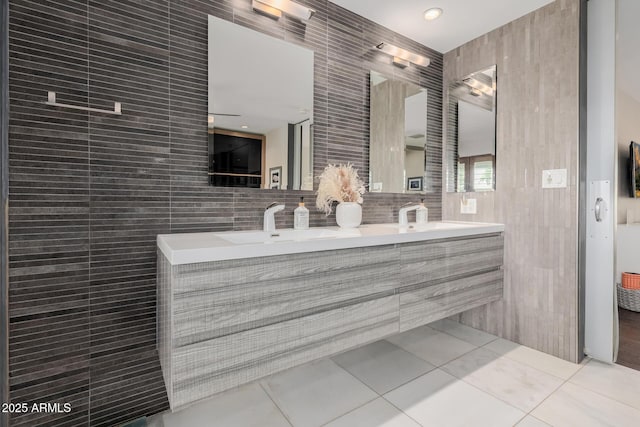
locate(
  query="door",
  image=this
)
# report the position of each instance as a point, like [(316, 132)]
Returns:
[(600, 315)]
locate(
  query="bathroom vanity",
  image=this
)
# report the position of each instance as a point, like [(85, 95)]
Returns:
[(237, 306)]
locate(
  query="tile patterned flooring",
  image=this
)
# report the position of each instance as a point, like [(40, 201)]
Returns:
[(444, 374)]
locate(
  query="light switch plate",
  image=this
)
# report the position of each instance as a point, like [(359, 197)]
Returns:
[(468, 206), (554, 178), (376, 187)]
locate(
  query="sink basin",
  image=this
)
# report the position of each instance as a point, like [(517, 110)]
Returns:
[(412, 226), (249, 237)]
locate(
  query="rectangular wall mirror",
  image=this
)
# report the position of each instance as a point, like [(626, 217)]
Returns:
[(471, 133), (260, 110), (398, 135)]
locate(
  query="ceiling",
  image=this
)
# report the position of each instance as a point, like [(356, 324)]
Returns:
[(628, 56), (462, 20)]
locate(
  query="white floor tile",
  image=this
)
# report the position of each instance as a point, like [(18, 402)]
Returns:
[(316, 393), (534, 358), (247, 406), (530, 421), (379, 413), (383, 366), (576, 406), (428, 344), (518, 384), (438, 399), (617, 382), (463, 332)]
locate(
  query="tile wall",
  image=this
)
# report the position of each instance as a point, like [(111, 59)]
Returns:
[(90, 192), (538, 100)]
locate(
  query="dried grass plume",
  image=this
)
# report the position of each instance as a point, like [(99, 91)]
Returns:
[(338, 184)]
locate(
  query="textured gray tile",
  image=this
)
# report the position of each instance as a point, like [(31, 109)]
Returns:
[(89, 193), (537, 59)]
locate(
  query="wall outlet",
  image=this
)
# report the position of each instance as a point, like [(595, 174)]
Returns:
[(376, 187), (468, 206), (554, 178)]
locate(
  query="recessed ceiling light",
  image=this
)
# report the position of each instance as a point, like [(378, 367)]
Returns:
[(433, 13), (245, 127)]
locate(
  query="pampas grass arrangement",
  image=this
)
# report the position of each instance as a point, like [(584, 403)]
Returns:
[(338, 184)]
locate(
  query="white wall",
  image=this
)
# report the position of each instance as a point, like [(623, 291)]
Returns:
[(628, 129)]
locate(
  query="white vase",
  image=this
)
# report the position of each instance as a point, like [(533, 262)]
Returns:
[(349, 214)]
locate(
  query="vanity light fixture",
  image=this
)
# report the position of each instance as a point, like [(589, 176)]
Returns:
[(402, 57), (478, 86), (432, 13), (275, 9)]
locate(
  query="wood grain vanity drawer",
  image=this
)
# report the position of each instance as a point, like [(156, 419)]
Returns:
[(444, 298), (220, 299), (428, 261), (205, 368), (196, 277)]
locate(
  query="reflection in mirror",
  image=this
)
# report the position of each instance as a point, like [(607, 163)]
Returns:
[(260, 110), (398, 135), (471, 133)]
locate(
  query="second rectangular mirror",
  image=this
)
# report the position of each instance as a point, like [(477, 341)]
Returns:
[(471, 133), (398, 135)]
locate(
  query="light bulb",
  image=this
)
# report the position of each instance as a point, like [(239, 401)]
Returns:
[(433, 13)]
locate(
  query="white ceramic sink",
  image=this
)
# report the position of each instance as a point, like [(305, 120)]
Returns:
[(287, 235)]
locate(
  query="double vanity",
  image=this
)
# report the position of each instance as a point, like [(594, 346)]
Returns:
[(237, 306)]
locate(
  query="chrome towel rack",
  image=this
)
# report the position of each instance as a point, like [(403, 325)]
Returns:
[(51, 100)]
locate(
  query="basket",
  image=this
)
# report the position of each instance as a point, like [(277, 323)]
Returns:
[(629, 298), (631, 281)]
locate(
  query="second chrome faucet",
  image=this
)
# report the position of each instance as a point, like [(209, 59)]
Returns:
[(402, 213), (422, 213), (270, 216)]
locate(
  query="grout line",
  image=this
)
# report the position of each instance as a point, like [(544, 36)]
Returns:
[(360, 381), (484, 391), (264, 389), (551, 394), (531, 366), (403, 412), (90, 389), (170, 154), (596, 391)]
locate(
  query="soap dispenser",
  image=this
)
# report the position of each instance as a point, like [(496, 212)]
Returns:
[(301, 216), (422, 213)]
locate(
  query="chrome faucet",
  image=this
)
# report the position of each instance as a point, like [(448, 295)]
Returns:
[(270, 216), (402, 213)]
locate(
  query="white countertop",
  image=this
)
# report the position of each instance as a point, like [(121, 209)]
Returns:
[(188, 248)]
